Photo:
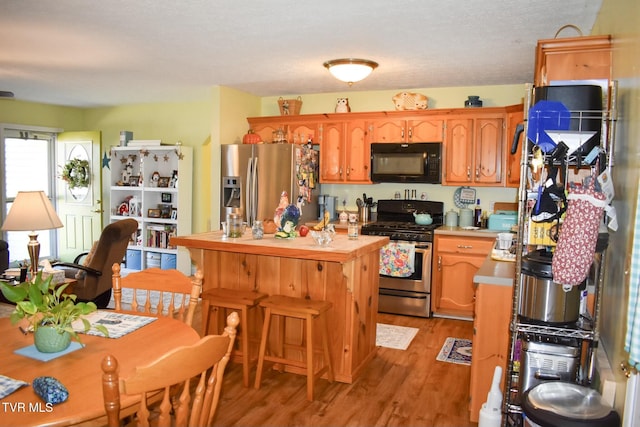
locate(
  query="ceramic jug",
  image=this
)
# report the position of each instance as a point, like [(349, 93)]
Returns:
[(451, 218)]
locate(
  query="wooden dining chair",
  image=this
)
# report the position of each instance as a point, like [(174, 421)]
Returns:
[(193, 406), (158, 292)]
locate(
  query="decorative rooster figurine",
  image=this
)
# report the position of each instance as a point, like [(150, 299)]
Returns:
[(284, 202)]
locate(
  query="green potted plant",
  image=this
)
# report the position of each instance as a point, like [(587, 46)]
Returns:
[(50, 312)]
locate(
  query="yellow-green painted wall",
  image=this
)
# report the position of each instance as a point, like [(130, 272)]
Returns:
[(33, 114), (188, 122), (450, 97), (621, 19)]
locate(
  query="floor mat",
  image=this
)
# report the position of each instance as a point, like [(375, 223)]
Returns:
[(456, 350), (397, 337)]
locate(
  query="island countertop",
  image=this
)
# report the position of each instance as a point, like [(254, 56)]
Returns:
[(342, 249), (345, 273)]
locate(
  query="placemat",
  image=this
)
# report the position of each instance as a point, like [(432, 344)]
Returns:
[(32, 352), (118, 324)]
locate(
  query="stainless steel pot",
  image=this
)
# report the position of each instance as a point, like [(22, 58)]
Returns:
[(541, 299)]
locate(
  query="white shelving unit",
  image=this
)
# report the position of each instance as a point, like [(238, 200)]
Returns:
[(153, 184)]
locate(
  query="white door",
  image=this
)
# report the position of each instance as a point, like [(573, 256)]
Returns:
[(79, 202)]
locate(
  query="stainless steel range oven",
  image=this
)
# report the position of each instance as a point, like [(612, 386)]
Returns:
[(407, 294)]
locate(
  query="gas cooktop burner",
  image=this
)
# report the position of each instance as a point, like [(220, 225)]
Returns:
[(396, 220), (395, 225)]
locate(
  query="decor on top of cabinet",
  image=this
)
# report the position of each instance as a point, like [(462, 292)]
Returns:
[(279, 136), (473, 101), (410, 101), (290, 107), (251, 138), (342, 105)]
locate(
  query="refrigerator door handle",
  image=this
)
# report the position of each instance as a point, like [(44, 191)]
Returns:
[(254, 191), (248, 193)]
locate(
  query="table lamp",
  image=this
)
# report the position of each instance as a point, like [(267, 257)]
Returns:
[(31, 211)]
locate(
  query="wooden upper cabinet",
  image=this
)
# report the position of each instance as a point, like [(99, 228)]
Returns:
[(489, 144), (300, 133), (573, 58), (473, 151), (413, 130), (515, 117), (332, 152), (358, 152), (265, 130), (344, 152), (458, 151)]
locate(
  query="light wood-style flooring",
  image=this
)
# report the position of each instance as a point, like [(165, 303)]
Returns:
[(398, 388)]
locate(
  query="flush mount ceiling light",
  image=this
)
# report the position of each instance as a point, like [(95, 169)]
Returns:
[(350, 70)]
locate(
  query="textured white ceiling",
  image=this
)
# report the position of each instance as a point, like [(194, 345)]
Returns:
[(110, 52)]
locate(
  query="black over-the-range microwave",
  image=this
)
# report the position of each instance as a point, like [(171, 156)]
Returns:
[(418, 162)]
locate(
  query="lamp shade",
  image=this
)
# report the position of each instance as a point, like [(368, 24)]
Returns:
[(31, 210), (350, 70)]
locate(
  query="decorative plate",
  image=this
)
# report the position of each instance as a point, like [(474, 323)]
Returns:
[(464, 196)]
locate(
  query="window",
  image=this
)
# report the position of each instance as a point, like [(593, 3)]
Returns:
[(28, 161)]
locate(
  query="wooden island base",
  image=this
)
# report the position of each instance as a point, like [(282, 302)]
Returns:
[(345, 273)]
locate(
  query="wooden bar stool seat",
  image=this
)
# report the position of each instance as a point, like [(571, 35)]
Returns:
[(299, 308), (233, 300)]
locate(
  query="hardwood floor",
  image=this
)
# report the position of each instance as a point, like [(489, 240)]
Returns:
[(398, 388)]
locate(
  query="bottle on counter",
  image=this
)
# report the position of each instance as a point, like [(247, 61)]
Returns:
[(478, 215), (485, 220), (352, 229)]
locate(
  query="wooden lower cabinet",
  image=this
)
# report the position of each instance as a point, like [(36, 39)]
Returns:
[(456, 260), (490, 341)]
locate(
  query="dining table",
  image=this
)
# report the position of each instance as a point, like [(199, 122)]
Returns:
[(80, 371)]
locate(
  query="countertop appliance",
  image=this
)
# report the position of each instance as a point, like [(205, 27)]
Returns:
[(503, 221), (255, 175), (401, 162), (411, 295)]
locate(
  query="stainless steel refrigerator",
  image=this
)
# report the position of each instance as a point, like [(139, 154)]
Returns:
[(255, 175)]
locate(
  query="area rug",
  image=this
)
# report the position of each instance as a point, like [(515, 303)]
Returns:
[(456, 350), (397, 337)]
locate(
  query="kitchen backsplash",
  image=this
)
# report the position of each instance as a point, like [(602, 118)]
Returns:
[(487, 195)]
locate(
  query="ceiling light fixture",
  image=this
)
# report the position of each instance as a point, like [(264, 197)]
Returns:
[(350, 70)]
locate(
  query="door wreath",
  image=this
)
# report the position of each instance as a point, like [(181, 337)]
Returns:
[(76, 173)]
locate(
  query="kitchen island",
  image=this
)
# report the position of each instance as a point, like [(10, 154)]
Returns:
[(344, 273)]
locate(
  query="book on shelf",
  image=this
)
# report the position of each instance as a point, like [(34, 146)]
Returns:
[(158, 236)]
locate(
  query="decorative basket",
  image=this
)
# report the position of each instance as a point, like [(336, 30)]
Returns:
[(410, 101), (290, 107)]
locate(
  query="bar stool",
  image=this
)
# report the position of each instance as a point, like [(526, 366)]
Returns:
[(232, 299), (299, 308)]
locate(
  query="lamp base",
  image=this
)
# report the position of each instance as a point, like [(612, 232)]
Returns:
[(33, 247)]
